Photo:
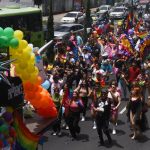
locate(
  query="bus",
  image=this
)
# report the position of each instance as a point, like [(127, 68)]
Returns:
[(27, 19)]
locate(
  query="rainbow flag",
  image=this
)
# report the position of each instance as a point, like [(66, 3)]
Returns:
[(138, 25), (142, 34), (129, 22), (25, 139)]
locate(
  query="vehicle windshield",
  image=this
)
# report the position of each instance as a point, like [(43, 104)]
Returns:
[(71, 15), (118, 10), (103, 8), (62, 29)]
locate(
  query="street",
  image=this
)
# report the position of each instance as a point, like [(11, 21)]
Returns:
[(88, 138)]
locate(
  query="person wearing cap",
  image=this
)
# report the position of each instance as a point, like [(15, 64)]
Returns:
[(102, 108)]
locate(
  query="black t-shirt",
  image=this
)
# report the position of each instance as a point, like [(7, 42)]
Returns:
[(11, 95)]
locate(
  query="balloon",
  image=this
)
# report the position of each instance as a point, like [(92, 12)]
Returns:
[(46, 84), (8, 117), (39, 80), (23, 65), (4, 129), (23, 44), (18, 34), (30, 68), (1, 31), (4, 41), (26, 54), (30, 95), (14, 43), (9, 32), (25, 75), (130, 31)]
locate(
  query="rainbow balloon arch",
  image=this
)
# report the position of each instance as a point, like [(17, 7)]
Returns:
[(25, 68)]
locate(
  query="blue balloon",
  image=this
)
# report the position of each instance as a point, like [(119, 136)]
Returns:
[(46, 84)]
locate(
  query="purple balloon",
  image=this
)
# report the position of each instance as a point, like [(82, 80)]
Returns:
[(7, 116), (130, 31)]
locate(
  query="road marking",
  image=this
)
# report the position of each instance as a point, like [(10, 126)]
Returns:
[(123, 110)]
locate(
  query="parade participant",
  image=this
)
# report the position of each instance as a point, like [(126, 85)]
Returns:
[(115, 99), (133, 72), (102, 108), (84, 92), (135, 111), (57, 100), (96, 93), (75, 108)]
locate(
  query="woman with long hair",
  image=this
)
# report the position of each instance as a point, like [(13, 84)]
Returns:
[(84, 92), (73, 118), (135, 111), (115, 99)]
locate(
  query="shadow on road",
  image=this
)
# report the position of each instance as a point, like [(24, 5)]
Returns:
[(114, 143), (143, 139), (83, 138), (120, 132), (120, 122)]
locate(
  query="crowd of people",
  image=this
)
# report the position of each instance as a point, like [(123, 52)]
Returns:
[(101, 73)]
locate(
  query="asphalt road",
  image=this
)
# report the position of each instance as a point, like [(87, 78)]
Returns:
[(88, 138)]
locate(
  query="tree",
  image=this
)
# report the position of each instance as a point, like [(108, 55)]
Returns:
[(50, 27), (38, 2), (88, 19)]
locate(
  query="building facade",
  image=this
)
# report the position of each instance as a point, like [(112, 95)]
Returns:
[(67, 5)]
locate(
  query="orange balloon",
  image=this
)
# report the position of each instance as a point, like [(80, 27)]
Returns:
[(39, 80)]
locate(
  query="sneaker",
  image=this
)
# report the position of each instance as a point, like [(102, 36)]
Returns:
[(83, 118), (67, 128), (54, 133), (59, 134), (94, 127), (114, 131)]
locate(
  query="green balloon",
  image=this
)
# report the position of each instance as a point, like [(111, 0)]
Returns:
[(4, 41), (1, 31), (9, 32), (4, 128), (14, 43)]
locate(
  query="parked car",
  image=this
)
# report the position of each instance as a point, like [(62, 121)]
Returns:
[(73, 17), (63, 31), (119, 13), (104, 9)]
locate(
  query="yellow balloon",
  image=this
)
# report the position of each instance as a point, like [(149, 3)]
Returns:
[(36, 71), (12, 51), (23, 44), (25, 76), (18, 70), (23, 65), (26, 54), (18, 34), (28, 49), (30, 69), (32, 57)]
